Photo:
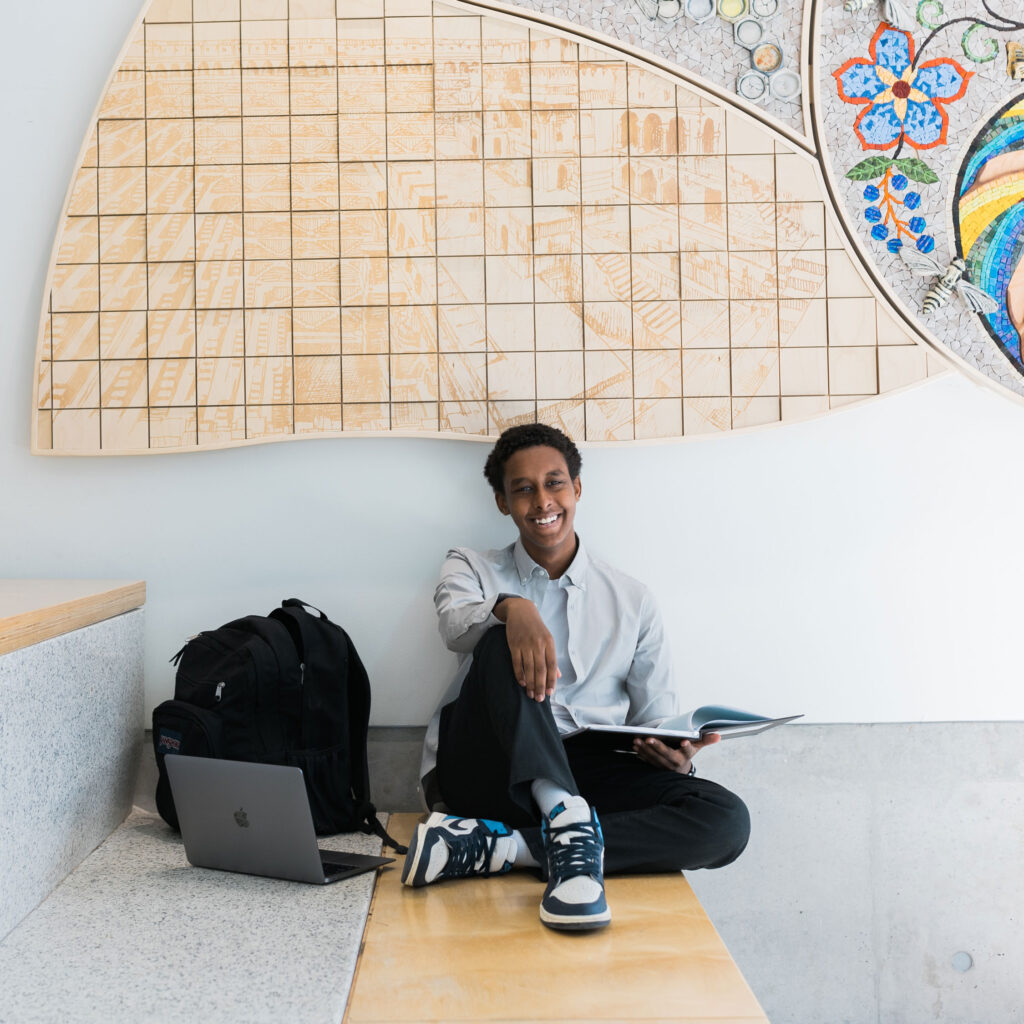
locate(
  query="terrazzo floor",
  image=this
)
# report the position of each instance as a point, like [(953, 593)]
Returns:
[(136, 934)]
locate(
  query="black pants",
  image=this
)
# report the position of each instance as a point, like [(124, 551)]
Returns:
[(494, 741)]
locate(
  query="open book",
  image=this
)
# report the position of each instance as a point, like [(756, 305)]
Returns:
[(727, 722)]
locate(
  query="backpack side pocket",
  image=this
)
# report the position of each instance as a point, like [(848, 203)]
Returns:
[(329, 786), (181, 728)]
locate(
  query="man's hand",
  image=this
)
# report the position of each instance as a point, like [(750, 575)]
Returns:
[(675, 759), (532, 646)]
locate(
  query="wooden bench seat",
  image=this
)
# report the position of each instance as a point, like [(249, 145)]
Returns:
[(475, 950)]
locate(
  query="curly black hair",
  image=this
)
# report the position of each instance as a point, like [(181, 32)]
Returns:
[(529, 435)]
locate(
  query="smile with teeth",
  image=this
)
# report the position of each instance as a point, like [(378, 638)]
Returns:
[(547, 520)]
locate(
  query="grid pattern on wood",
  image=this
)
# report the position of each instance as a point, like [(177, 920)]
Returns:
[(297, 219)]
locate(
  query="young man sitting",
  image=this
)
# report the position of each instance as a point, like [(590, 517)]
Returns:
[(550, 638)]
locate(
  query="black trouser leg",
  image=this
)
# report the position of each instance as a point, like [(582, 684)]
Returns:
[(494, 741), (658, 820)]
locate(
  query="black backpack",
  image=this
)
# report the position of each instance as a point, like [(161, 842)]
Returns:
[(287, 688)]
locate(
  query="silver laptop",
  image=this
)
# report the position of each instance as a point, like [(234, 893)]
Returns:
[(254, 818)]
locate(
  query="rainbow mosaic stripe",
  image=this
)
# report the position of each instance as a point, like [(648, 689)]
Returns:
[(990, 220)]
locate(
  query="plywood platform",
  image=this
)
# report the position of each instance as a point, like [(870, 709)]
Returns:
[(417, 218), (476, 951)]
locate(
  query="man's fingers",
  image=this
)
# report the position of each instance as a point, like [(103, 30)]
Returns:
[(540, 674), (530, 672), (662, 760), (534, 669), (527, 660), (657, 753), (518, 669), (551, 664), (533, 650), (648, 751)]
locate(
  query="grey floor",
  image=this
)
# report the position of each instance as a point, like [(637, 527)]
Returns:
[(145, 781)]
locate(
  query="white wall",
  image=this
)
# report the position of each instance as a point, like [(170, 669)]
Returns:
[(862, 567)]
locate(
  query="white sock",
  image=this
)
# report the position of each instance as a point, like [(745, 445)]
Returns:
[(548, 795), (575, 809), (523, 857)]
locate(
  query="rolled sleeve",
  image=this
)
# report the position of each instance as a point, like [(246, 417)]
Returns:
[(464, 603)]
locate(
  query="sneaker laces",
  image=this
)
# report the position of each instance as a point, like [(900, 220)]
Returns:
[(466, 852), (581, 855)]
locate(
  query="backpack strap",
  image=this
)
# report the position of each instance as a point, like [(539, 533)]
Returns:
[(331, 690), (327, 651), (359, 712), (294, 602), (378, 830), (279, 683)]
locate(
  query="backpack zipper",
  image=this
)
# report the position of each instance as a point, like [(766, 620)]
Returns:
[(217, 693), (177, 657)]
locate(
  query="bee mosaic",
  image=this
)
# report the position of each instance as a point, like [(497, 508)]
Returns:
[(946, 280)]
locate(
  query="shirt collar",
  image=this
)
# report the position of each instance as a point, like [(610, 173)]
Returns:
[(576, 574)]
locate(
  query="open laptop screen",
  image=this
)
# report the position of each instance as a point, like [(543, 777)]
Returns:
[(253, 818)]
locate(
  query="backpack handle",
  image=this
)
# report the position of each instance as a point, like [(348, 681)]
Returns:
[(295, 602)]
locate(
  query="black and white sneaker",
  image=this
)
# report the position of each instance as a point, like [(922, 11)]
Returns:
[(450, 847), (574, 897)]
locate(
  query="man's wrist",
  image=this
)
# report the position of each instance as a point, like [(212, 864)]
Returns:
[(503, 614)]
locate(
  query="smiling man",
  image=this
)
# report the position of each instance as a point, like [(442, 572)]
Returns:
[(550, 638)]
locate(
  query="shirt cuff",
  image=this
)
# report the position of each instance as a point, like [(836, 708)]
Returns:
[(493, 619)]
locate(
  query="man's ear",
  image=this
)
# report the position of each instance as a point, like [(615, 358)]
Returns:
[(499, 500), (577, 486)]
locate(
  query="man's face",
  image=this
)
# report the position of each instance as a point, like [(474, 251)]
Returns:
[(541, 497)]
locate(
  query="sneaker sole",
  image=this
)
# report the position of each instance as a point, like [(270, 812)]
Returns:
[(410, 870), (578, 923)]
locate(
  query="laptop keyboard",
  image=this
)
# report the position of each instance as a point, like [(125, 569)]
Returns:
[(334, 865)]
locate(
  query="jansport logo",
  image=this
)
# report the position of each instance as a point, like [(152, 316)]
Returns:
[(241, 818), (169, 743)]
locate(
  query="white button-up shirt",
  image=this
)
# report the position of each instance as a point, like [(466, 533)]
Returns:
[(609, 639)]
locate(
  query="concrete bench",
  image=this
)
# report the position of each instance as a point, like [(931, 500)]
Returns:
[(71, 697), (136, 934)]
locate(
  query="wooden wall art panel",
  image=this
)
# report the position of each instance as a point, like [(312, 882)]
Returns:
[(294, 219)]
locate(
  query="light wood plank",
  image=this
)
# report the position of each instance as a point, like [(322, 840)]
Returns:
[(710, 291), (35, 610), (475, 950)]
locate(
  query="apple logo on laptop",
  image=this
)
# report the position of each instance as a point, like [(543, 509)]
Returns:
[(241, 819)]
